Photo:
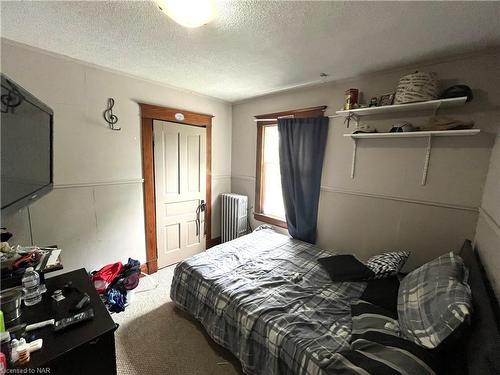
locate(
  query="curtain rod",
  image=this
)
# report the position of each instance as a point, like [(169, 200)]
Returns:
[(276, 119)]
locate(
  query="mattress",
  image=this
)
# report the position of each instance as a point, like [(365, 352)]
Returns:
[(265, 297)]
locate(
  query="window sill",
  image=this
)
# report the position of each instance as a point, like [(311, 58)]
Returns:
[(270, 220)]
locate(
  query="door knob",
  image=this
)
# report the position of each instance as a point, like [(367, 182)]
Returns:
[(201, 208)]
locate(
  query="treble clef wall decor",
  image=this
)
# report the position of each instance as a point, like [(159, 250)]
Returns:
[(108, 115)]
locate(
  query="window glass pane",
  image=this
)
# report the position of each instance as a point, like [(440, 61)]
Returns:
[(272, 200)]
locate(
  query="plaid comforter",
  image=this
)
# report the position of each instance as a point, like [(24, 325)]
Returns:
[(265, 297)]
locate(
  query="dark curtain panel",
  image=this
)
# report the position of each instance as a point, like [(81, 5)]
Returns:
[(302, 150)]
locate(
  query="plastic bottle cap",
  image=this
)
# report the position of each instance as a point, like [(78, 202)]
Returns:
[(29, 269)]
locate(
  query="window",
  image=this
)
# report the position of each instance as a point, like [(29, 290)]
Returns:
[(269, 206), (272, 197)]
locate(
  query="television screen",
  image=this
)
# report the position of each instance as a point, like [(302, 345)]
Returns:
[(26, 146)]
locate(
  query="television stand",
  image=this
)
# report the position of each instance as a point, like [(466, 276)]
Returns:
[(86, 348)]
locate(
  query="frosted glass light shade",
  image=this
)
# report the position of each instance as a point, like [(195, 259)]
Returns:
[(188, 13)]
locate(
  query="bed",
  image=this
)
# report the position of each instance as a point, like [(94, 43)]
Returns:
[(265, 297)]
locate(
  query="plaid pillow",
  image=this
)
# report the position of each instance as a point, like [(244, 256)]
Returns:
[(377, 349), (382, 353), (368, 317), (387, 264), (434, 301)]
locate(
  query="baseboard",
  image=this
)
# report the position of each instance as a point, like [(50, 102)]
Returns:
[(144, 269), (151, 266), (213, 242)]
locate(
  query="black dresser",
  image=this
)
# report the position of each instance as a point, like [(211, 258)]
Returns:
[(87, 348)]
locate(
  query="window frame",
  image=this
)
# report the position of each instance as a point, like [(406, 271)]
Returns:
[(270, 119)]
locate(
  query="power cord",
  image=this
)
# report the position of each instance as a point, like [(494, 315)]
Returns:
[(29, 223)]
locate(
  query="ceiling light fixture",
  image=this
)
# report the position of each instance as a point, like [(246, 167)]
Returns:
[(188, 13)]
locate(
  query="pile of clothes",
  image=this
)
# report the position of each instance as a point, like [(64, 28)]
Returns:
[(115, 280)]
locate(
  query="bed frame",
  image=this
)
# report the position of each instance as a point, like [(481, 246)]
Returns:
[(478, 352)]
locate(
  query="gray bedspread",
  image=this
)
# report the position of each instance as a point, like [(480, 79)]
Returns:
[(265, 297)]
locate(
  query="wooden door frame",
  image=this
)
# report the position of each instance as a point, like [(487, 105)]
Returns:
[(179, 116)]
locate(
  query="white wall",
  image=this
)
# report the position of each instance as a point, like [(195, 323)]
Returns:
[(488, 226), (95, 212), (384, 207)]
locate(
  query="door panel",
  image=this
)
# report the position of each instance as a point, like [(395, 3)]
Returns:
[(181, 208), (170, 162), (172, 237), (192, 236), (193, 155), (180, 162)]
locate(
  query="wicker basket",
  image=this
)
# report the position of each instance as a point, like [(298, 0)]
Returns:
[(417, 87)]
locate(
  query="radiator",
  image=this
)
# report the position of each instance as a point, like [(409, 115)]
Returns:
[(233, 216)]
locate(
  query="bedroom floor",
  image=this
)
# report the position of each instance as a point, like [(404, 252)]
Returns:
[(156, 338)]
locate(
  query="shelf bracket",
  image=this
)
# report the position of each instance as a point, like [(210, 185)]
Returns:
[(436, 109), (349, 117), (426, 160), (354, 150)]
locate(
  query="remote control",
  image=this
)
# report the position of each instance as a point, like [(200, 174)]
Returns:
[(75, 319)]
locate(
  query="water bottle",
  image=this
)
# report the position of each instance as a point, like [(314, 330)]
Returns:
[(31, 283)]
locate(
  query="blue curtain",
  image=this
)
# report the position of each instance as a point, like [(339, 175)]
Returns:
[(302, 149)]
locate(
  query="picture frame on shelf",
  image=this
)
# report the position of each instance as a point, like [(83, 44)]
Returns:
[(386, 99)]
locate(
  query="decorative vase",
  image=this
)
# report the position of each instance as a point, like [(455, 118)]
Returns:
[(417, 87)]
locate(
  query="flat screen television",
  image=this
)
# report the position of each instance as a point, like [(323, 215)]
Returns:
[(26, 147)]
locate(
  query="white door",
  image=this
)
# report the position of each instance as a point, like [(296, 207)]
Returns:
[(179, 152)]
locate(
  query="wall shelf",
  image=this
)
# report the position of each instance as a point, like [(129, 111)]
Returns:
[(431, 105), (409, 107), (418, 134)]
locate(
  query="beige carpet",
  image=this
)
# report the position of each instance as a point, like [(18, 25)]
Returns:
[(154, 337)]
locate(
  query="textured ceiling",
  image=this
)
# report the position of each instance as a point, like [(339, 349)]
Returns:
[(253, 47)]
